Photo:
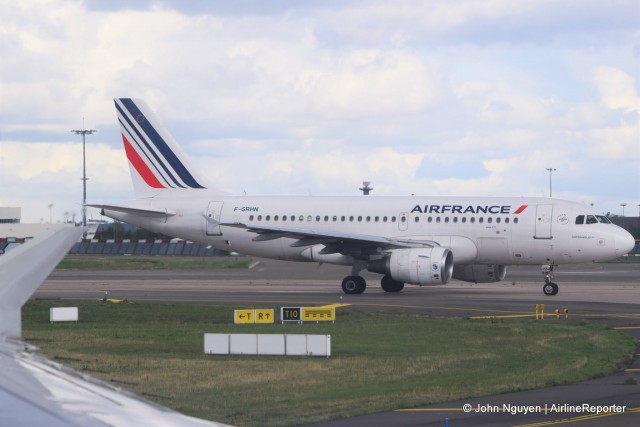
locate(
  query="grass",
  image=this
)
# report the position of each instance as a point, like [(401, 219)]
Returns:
[(96, 262), (381, 361)]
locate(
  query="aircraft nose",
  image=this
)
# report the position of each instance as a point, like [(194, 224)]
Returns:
[(624, 242)]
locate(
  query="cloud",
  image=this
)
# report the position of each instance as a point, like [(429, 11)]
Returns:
[(617, 89), (439, 97)]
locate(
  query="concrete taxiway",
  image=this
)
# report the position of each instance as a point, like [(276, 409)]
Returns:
[(602, 293)]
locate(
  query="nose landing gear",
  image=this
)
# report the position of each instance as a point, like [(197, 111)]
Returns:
[(549, 288)]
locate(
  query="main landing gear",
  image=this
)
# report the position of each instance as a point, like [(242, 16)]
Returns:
[(549, 288), (354, 285)]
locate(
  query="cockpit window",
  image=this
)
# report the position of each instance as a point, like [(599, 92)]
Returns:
[(580, 219), (603, 219), (591, 219)]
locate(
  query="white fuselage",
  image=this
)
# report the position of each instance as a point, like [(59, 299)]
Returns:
[(477, 230)]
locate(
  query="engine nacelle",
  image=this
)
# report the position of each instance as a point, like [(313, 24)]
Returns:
[(420, 266), (480, 273)]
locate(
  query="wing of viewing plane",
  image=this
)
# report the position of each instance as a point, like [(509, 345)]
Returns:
[(35, 391)]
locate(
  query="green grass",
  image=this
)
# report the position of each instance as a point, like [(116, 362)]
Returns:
[(96, 262), (626, 260), (380, 361)]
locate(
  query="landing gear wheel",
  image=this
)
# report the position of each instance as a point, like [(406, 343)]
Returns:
[(550, 288), (353, 285), (390, 285)]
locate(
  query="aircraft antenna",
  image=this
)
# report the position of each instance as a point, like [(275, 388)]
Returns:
[(366, 189)]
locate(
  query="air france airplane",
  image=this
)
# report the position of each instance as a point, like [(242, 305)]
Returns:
[(416, 240)]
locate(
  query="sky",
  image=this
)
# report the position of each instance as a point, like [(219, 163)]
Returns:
[(464, 97)]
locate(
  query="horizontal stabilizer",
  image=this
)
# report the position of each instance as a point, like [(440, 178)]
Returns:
[(135, 210)]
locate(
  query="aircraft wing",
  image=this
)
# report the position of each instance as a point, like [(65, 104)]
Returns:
[(35, 391), (334, 242)]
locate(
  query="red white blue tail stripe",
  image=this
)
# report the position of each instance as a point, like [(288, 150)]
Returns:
[(150, 148)]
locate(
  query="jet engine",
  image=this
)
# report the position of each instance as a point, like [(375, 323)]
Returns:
[(420, 266), (480, 273)]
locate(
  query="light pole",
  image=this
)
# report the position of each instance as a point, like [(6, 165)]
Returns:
[(550, 170), (50, 212), (84, 178), (623, 205)]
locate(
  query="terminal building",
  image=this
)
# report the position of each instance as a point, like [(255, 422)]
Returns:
[(10, 215)]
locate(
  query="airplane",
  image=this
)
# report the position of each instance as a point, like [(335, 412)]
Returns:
[(36, 391), (416, 240)]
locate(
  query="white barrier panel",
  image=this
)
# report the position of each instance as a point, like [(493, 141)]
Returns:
[(319, 345), (216, 343), (271, 344), (63, 314), (268, 344), (296, 345), (243, 344)]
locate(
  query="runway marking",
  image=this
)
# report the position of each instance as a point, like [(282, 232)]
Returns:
[(622, 328), (503, 317), (580, 418)]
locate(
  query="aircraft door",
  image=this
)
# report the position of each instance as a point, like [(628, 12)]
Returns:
[(543, 222), (212, 219), (403, 221)]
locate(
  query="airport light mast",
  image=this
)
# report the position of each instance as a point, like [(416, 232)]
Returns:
[(84, 178), (550, 170)]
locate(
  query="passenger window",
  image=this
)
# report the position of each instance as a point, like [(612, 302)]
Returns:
[(359, 218), (335, 218), (393, 219), (498, 220), (275, 218), (580, 219), (473, 219), (268, 218), (464, 219), (489, 220), (506, 220), (481, 220), (515, 220), (377, 219), (591, 219), (250, 217), (343, 218), (259, 217), (417, 219), (446, 219), (301, 218), (384, 219)]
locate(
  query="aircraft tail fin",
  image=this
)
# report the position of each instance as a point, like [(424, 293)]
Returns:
[(155, 159)]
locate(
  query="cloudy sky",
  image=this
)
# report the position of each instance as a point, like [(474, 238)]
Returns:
[(313, 97)]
